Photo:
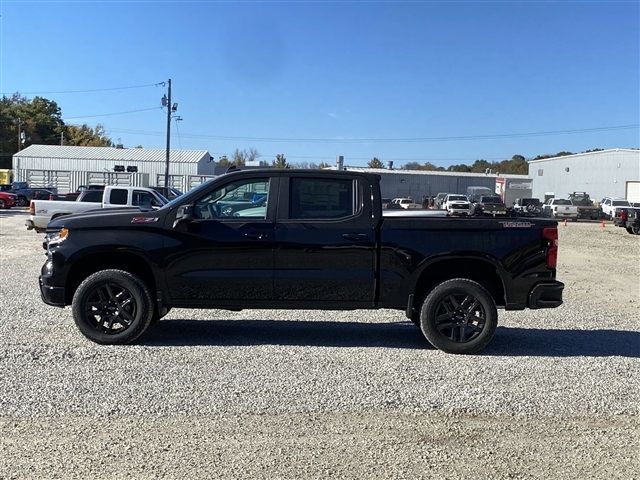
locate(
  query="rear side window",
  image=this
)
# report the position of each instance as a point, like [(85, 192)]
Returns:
[(92, 196), (321, 198), (118, 196)]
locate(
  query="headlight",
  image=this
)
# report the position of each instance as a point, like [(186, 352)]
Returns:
[(59, 236)]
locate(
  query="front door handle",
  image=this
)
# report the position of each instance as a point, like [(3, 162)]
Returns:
[(256, 235), (356, 237)]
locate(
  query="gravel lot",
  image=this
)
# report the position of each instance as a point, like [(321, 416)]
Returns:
[(290, 394)]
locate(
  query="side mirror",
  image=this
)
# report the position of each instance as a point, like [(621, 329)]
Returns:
[(183, 215)]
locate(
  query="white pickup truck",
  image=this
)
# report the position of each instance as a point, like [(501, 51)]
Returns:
[(41, 212), (561, 208)]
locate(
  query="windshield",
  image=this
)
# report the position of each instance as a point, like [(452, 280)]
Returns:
[(180, 199), (530, 201), (561, 202), (457, 197), (621, 203)]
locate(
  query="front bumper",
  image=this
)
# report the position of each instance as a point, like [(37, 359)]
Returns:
[(51, 295), (458, 211), (565, 214), (546, 295)]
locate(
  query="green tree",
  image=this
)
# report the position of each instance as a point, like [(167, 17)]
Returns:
[(41, 121), (280, 161), (241, 157), (322, 165), (375, 163), (84, 135), (412, 166)]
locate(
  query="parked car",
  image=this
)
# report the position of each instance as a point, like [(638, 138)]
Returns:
[(610, 205), (586, 207), (457, 205), (121, 270), (439, 201), (7, 200), (628, 218), (527, 207), (386, 202), (488, 205), (405, 203), (43, 211), (561, 208)]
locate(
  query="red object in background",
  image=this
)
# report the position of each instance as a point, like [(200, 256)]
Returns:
[(9, 199)]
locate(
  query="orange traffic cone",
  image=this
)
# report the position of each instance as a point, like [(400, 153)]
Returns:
[(565, 222), (602, 226)]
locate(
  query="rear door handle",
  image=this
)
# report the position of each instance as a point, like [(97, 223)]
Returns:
[(356, 237), (256, 235)]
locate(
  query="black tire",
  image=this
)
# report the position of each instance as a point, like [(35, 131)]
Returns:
[(112, 307), (2, 204), (459, 316), (22, 201), (635, 230)]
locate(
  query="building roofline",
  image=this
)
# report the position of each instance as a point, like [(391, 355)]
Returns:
[(435, 172), (608, 150)]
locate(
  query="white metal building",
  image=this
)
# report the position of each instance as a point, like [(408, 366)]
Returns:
[(417, 184), (67, 167), (607, 173)]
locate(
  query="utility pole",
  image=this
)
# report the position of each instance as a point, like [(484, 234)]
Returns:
[(20, 134), (169, 111), (62, 137)]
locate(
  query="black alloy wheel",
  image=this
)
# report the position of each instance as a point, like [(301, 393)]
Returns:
[(459, 316), (112, 307), (635, 229), (22, 201)]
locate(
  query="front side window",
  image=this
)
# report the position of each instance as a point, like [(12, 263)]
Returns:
[(118, 196), (240, 199), (144, 199), (324, 198)]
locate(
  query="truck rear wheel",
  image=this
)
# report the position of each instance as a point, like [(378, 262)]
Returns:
[(112, 307), (459, 316)]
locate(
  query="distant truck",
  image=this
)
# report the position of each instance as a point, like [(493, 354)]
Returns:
[(43, 211), (561, 208), (586, 207)]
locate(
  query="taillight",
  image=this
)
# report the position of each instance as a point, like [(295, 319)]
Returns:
[(624, 215), (551, 234), (32, 208)]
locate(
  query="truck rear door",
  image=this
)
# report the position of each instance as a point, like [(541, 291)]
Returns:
[(325, 241)]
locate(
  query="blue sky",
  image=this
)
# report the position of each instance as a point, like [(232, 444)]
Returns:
[(337, 70)]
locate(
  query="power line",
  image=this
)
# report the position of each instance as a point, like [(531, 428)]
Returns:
[(392, 140), (113, 113), (87, 91)]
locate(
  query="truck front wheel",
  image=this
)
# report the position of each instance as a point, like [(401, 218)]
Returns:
[(112, 307), (459, 316)]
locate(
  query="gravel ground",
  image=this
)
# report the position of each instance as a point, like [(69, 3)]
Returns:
[(289, 394)]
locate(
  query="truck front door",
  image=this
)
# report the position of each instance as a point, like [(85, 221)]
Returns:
[(224, 254), (325, 242)]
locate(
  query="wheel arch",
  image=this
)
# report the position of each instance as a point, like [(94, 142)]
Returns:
[(482, 269), (93, 262)]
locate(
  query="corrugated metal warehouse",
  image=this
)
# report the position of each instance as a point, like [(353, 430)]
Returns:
[(416, 184), (67, 167), (607, 173)]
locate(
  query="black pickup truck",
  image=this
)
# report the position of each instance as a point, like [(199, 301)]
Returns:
[(298, 239)]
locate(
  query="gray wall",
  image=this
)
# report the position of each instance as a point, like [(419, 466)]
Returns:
[(600, 174), (416, 185)]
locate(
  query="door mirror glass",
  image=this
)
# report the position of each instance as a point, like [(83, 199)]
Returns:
[(183, 215)]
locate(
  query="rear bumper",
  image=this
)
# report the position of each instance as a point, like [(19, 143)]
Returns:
[(546, 295), (51, 295)]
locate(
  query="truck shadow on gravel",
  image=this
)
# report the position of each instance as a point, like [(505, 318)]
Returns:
[(508, 341)]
